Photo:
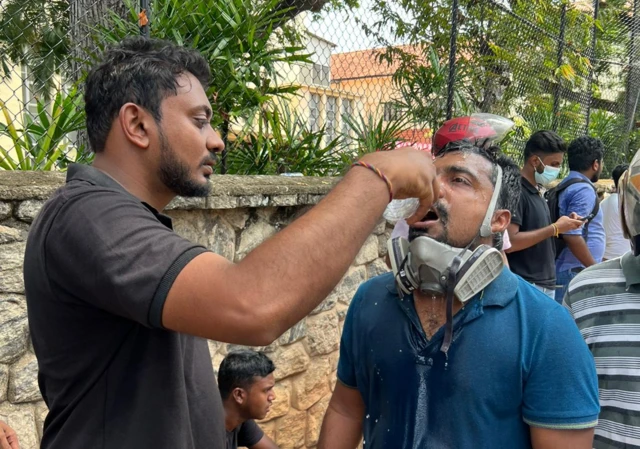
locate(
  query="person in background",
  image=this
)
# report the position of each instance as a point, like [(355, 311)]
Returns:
[(246, 382), (8, 437), (585, 246), (616, 244), (532, 253), (604, 300)]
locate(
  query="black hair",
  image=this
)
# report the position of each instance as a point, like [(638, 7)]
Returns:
[(617, 173), (240, 368), (583, 152), (544, 142), (141, 71)]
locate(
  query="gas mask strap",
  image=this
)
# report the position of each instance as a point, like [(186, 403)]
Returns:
[(485, 228), (451, 285)]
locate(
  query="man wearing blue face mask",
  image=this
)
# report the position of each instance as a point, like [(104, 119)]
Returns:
[(532, 253)]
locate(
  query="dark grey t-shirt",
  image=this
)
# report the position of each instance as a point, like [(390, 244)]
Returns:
[(98, 267), (245, 435), (535, 264)]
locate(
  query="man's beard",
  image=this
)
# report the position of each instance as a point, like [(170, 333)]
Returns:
[(443, 216), (176, 175)]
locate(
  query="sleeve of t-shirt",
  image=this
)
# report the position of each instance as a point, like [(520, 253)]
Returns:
[(115, 255), (561, 384), (579, 198), (518, 213), (346, 362), (250, 434)]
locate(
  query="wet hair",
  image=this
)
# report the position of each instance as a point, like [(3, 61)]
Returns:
[(617, 173), (544, 142), (141, 71), (239, 369), (583, 152)]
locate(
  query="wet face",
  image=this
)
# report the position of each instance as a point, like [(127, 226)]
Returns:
[(188, 144), (259, 397), (465, 193)]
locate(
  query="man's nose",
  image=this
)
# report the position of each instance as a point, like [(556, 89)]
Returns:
[(214, 142)]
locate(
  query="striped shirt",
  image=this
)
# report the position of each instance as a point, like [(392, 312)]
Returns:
[(605, 302)]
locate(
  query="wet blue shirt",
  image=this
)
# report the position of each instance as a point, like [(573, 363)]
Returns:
[(581, 199), (517, 360)]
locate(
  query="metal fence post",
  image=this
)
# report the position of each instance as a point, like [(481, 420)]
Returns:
[(452, 58), (592, 59), (557, 90), (145, 18), (632, 91)]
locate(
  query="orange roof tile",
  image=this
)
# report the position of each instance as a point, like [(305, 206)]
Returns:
[(365, 63)]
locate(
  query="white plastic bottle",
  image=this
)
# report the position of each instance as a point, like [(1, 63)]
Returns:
[(401, 209)]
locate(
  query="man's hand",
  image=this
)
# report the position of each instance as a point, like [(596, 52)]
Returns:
[(412, 175), (568, 223), (8, 437)]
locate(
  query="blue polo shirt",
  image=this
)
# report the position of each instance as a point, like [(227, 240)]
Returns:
[(580, 198), (517, 359)]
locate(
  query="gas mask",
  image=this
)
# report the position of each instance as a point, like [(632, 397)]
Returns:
[(433, 267)]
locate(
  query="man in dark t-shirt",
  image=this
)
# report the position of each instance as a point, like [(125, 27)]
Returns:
[(120, 306), (532, 254), (246, 382)]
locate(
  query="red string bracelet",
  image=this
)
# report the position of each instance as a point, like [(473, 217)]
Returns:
[(379, 173)]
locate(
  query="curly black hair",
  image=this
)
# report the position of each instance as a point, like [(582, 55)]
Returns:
[(583, 152), (141, 71)]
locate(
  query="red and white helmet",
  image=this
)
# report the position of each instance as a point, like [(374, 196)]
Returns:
[(479, 129)]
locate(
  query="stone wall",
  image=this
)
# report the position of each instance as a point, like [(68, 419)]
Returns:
[(240, 213)]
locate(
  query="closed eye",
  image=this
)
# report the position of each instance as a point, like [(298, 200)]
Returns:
[(201, 122)]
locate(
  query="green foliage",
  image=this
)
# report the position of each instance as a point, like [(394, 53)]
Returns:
[(238, 39), (34, 34), (281, 142), (41, 144)]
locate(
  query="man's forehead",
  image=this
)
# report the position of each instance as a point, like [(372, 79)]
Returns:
[(471, 162)]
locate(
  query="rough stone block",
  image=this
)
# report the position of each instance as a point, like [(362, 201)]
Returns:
[(41, 412), (296, 333), (284, 200), (4, 382), (236, 217), (28, 210), (14, 329), (253, 201), (254, 235), (12, 256), (315, 415), (208, 229), (9, 235), (5, 210), (376, 268), (341, 311), (368, 252), (380, 227), (347, 287), (280, 405), (323, 336), (222, 202), (21, 418), (23, 380), (183, 203), (382, 245), (290, 360), (314, 199), (290, 430), (11, 281), (312, 385)]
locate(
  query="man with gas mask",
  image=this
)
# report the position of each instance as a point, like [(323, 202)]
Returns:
[(451, 350), (532, 253), (605, 302)]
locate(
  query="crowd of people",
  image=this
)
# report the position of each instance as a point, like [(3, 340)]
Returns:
[(458, 346)]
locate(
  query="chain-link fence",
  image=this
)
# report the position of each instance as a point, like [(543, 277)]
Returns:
[(305, 86)]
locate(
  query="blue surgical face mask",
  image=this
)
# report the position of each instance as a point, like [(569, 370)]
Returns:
[(549, 174)]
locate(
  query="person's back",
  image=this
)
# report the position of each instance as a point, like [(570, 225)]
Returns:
[(616, 243), (605, 302)]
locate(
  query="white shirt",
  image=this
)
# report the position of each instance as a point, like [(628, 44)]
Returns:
[(616, 245), (401, 229)]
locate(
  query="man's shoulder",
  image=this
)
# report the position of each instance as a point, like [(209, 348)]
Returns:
[(609, 272)]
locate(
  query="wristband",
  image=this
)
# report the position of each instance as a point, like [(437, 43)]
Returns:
[(379, 173)]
